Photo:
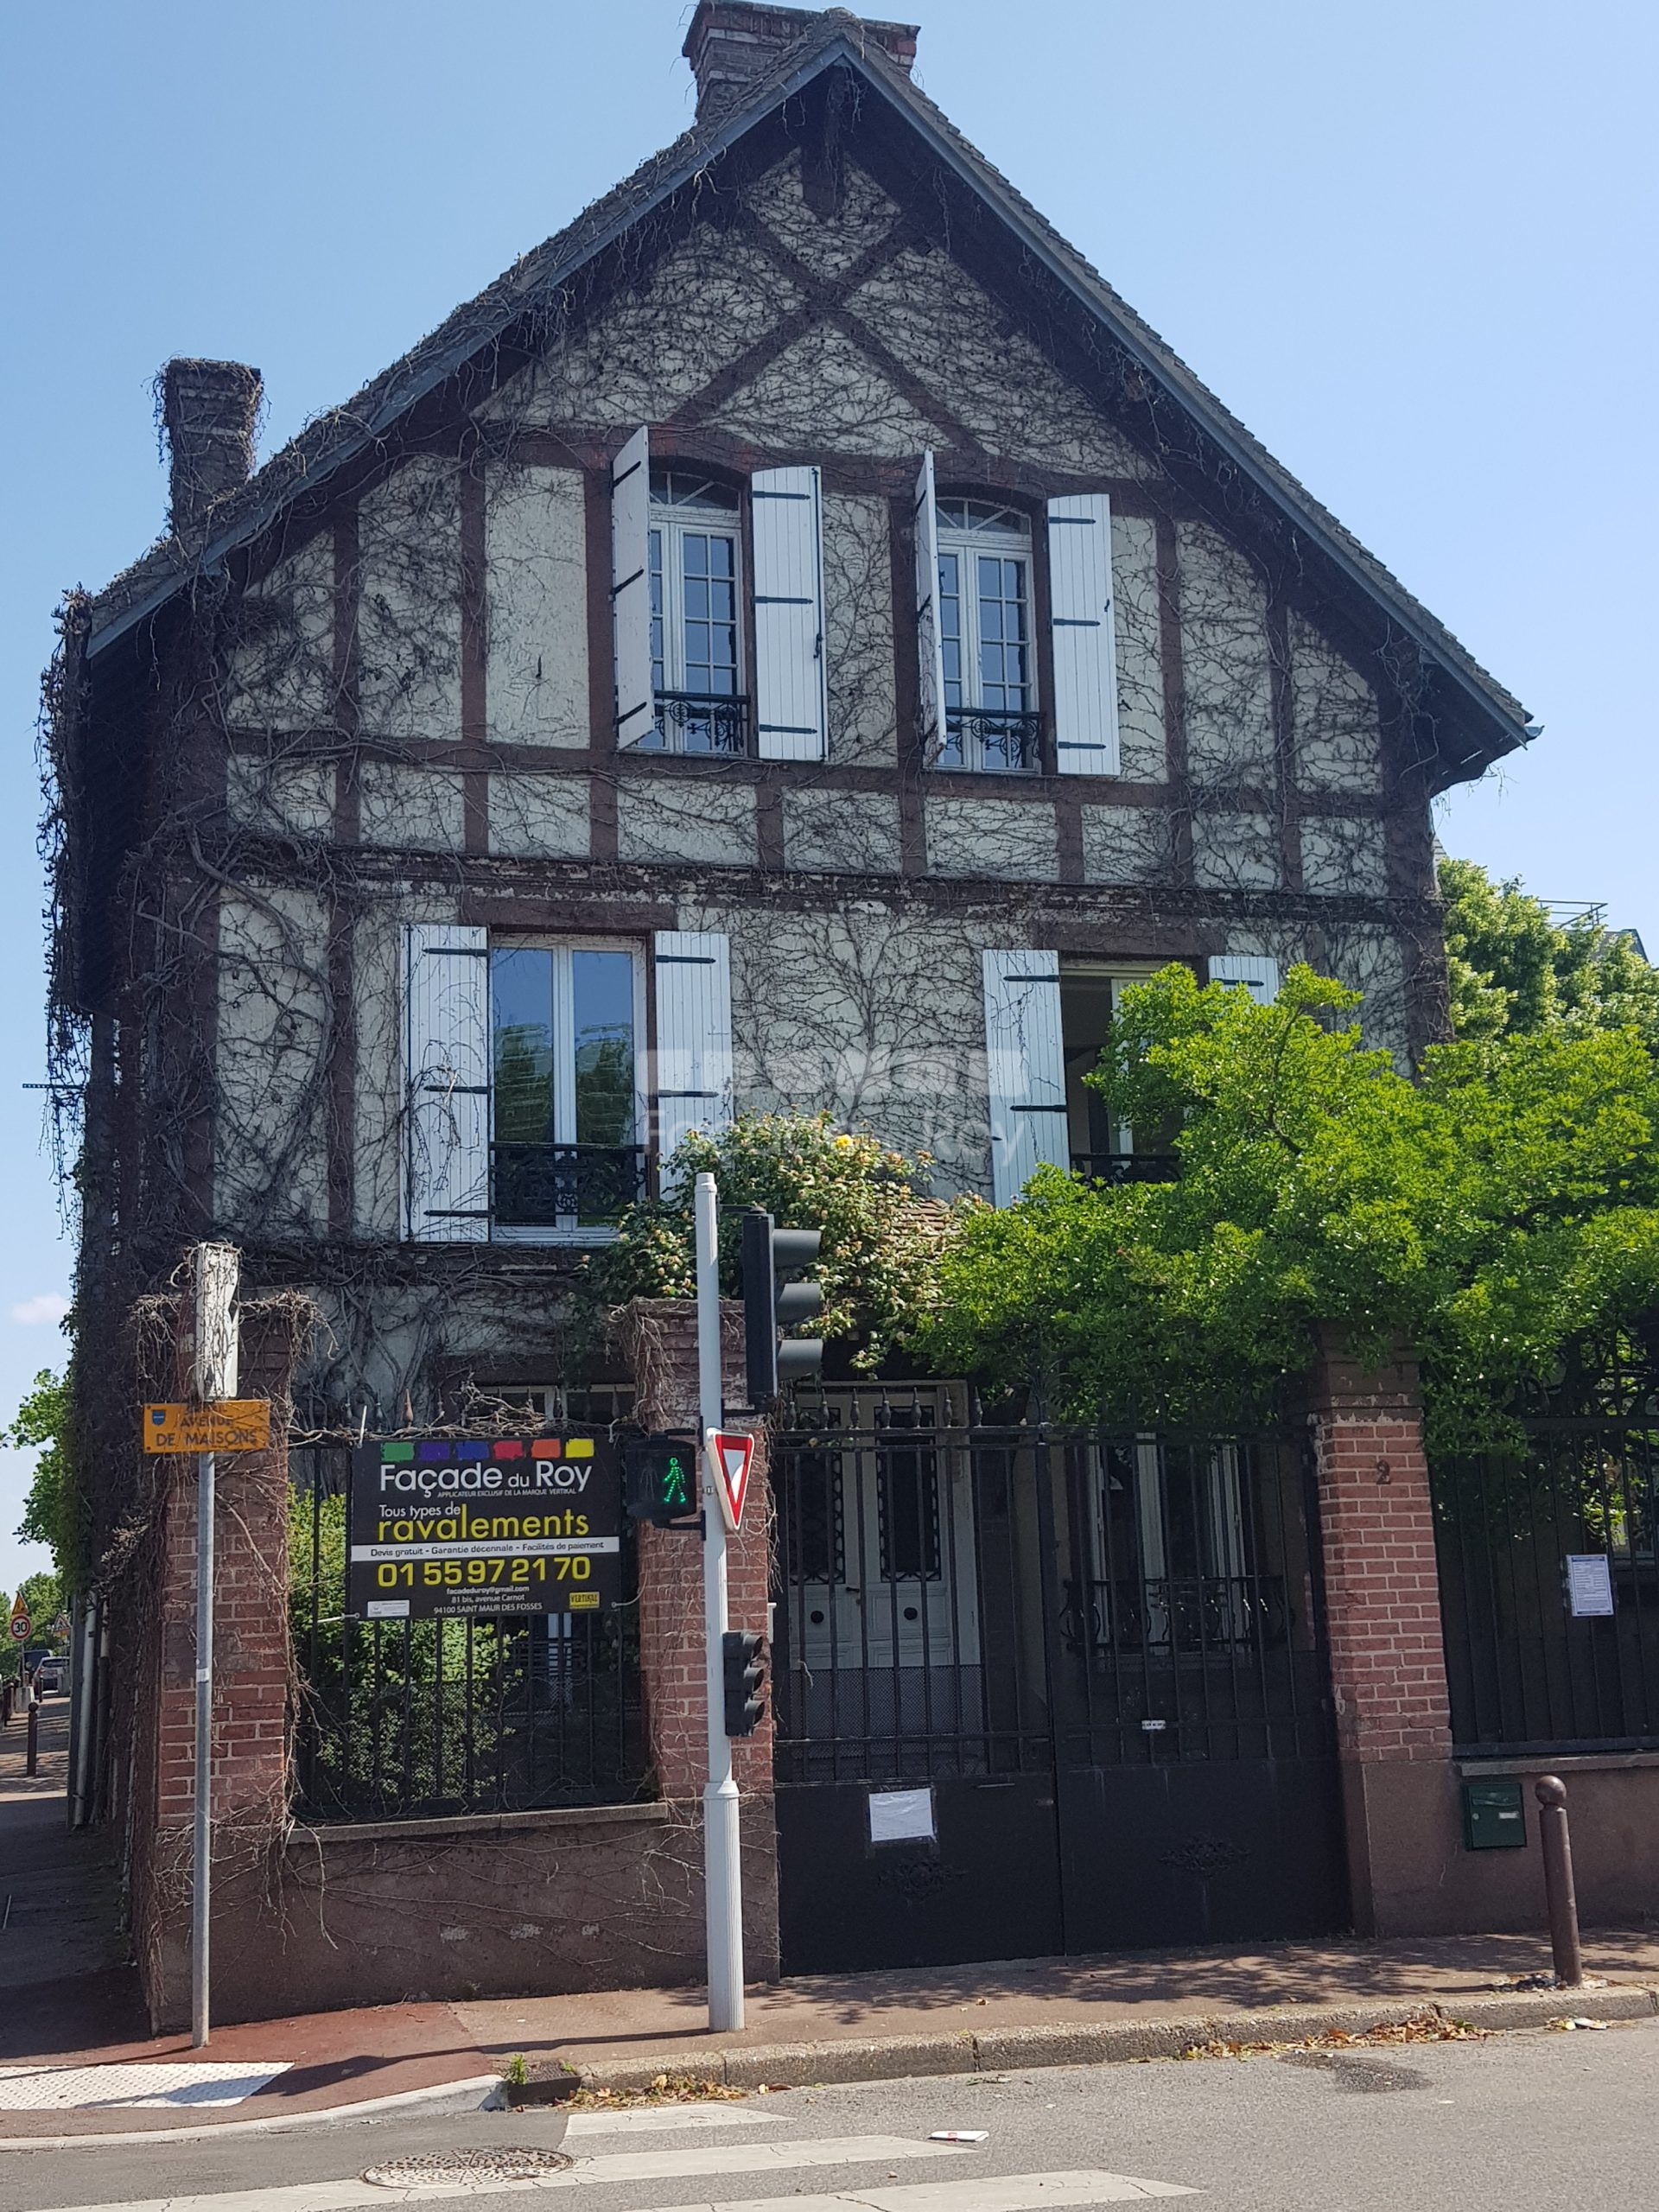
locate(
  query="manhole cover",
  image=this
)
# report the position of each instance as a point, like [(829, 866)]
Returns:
[(480, 2168), (1358, 2073)]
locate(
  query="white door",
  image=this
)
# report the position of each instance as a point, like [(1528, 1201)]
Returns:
[(883, 1531)]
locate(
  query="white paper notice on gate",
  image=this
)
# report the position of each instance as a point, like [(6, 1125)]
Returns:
[(901, 1816), (1589, 1585)]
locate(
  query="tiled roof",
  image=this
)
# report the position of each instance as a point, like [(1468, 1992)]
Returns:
[(534, 282)]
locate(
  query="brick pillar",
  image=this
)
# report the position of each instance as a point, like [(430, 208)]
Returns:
[(250, 1699), (660, 1340), (1387, 1661)]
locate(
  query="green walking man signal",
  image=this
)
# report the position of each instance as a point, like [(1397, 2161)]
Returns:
[(661, 1480)]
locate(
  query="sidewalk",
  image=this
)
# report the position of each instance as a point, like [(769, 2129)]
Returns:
[(849, 2028), (69, 2001)]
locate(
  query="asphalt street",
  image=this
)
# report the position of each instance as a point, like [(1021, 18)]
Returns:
[(1538, 2119)]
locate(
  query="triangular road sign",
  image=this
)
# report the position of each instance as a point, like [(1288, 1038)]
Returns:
[(732, 1454)]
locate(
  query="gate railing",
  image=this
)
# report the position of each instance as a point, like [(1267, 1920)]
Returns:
[(411, 1720), (962, 1599), (1533, 1668)]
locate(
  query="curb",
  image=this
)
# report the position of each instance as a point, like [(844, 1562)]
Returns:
[(888, 2058), (473, 2089)]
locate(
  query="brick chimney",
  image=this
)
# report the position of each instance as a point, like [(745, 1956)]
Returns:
[(209, 409), (731, 41)]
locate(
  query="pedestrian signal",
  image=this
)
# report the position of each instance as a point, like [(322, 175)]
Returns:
[(661, 1480)]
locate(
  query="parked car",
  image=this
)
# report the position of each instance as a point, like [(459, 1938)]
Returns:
[(49, 1677)]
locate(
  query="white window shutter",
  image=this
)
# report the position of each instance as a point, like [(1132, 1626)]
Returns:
[(1084, 623), (929, 643), (693, 1034), (636, 708), (789, 671), (447, 1062), (1025, 1068), (1257, 974)]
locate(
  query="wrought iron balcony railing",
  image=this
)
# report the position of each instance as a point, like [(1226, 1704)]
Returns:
[(691, 722), (1119, 1167), (986, 738), (1168, 1614), (564, 1185)]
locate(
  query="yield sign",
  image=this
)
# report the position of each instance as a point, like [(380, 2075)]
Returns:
[(732, 1454)]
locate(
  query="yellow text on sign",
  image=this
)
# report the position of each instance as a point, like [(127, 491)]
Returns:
[(232, 1425)]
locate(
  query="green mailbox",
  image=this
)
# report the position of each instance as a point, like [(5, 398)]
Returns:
[(1493, 1818)]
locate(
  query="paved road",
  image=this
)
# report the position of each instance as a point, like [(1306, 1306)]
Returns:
[(1540, 2120)]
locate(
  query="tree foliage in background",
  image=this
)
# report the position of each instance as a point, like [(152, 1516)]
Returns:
[(1514, 972), (876, 1266), (51, 1511), (1495, 1214)]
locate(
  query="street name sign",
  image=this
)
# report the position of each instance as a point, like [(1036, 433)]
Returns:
[(448, 1529), (232, 1425)]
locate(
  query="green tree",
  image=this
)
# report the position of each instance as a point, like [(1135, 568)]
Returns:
[(51, 1511), (1496, 1214), (878, 1239), (1515, 971)]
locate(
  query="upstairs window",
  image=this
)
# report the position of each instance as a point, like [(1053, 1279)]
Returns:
[(694, 657), (566, 1151), (990, 695)]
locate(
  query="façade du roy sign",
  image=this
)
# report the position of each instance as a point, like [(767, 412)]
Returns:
[(449, 1530)]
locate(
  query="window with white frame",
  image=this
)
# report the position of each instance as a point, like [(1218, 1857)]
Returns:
[(695, 635), (985, 635), (568, 1126)]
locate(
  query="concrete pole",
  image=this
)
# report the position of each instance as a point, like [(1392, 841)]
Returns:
[(1559, 1896), (722, 1864), (203, 1842)]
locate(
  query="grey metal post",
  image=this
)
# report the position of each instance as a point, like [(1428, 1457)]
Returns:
[(202, 1842), (722, 1875), (1559, 1893)]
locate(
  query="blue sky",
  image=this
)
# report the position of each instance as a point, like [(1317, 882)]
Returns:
[(1411, 245)]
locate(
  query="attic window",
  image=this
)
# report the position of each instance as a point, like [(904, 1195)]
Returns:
[(694, 636), (990, 692)]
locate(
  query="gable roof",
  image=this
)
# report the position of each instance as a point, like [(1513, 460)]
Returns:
[(833, 39)]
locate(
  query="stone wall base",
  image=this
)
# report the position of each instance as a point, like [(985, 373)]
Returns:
[(1411, 1875), (535, 1905)]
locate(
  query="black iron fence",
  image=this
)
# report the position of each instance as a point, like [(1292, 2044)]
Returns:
[(995, 739), (411, 1719), (958, 1600), (1549, 1590)]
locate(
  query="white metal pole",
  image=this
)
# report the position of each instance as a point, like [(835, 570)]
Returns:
[(202, 1853), (722, 1866)]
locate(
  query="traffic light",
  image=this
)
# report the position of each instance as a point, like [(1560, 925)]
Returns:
[(772, 1304), (661, 1474), (743, 1665)]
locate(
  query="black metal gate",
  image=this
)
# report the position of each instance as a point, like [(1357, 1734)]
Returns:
[(1038, 1691)]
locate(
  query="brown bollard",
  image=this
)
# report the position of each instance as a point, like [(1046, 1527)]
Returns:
[(31, 1760), (1559, 1894)]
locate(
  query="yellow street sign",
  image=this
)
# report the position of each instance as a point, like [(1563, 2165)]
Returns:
[(232, 1425)]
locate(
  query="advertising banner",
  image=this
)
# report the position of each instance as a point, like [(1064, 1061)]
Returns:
[(446, 1529)]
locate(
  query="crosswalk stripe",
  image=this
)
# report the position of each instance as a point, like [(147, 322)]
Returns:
[(996, 2193), (621, 2166), (659, 2120)]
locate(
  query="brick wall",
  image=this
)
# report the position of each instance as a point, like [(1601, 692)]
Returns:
[(1387, 1661)]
